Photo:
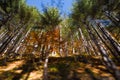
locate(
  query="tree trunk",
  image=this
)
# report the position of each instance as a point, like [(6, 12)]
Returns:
[(84, 42), (107, 61), (114, 43), (114, 53)]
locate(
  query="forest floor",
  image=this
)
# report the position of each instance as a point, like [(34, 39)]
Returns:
[(66, 68)]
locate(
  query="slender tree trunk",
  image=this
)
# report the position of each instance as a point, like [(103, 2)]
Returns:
[(114, 43), (66, 49), (19, 41), (60, 40), (107, 61), (113, 19), (84, 42), (93, 48), (114, 53), (45, 72)]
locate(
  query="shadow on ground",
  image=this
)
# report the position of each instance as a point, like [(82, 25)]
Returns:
[(20, 70), (65, 68), (82, 68)]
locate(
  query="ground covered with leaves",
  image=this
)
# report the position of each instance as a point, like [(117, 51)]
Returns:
[(65, 68)]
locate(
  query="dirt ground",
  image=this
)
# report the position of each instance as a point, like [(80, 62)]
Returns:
[(68, 68)]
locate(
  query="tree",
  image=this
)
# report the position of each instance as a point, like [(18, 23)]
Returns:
[(49, 21), (86, 11), (50, 18), (16, 28)]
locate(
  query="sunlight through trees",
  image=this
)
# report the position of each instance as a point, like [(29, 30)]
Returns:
[(48, 41)]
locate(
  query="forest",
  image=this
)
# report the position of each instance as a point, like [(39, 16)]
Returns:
[(45, 45)]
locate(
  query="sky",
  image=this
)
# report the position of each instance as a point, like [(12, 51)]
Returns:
[(63, 5)]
